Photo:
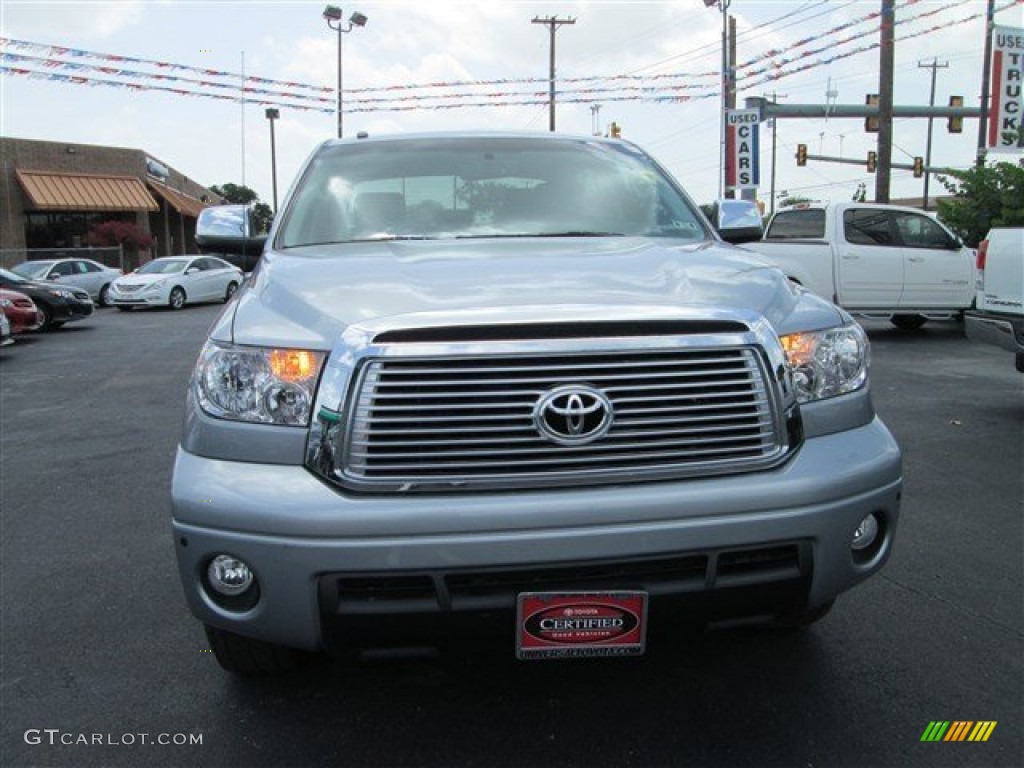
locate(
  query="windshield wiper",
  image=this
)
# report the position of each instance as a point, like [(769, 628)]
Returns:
[(570, 233), (581, 233)]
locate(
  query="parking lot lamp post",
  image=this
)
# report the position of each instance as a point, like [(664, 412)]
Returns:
[(332, 15), (272, 115)]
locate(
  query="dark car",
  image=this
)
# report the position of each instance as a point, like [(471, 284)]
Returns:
[(59, 303)]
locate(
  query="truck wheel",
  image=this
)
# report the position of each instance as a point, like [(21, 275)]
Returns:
[(247, 657), (908, 322)]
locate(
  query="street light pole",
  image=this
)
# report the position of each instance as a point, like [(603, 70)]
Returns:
[(332, 13), (272, 115)]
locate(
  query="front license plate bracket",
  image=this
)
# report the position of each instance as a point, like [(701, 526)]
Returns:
[(565, 625)]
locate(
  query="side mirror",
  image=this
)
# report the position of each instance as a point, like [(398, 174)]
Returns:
[(737, 221), (191, 270), (228, 229), (52, 276)]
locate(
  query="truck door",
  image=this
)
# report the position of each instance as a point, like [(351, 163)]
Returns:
[(937, 273), (869, 271)]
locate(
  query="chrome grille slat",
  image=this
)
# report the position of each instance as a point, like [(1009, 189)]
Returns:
[(540, 449), (559, 366), (428, 439), (387, 383), (572, 459), (452, 421), (453, 395)]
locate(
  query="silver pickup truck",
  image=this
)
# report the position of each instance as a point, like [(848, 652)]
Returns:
[(514, 384)]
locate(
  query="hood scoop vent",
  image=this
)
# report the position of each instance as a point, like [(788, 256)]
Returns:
[(545, 331)]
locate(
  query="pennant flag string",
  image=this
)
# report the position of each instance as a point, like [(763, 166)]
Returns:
[(666, 91), (208, 73)]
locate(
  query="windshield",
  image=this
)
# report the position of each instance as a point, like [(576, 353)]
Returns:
[(455, 187), (33, 270), (162, 267), (13, 277)]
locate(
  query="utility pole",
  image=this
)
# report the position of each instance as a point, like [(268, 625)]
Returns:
[(934, 67), (885, 77), (747, 193), (595, 119), (986, 72), (724, 7), (241, 94), (553, 23), (775, 131)]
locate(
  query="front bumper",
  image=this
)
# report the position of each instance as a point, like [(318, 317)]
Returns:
[(24, 320), (1005, 331), (145, 297), (71, 310), (296, 532)]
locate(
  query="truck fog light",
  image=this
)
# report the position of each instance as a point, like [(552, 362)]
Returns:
[(865, 534), (229, 576)]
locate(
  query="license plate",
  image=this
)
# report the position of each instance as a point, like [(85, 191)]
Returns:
[(565, 625)]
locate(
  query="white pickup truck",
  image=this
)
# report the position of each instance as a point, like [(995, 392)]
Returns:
[(873, 259), (999, 318)]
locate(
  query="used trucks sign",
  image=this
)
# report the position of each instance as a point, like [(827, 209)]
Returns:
[(1005, 132)]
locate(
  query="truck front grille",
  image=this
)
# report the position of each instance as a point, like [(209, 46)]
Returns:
[(514, 420)]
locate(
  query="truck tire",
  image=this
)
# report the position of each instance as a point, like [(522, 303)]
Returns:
[(247, 657), (908, 322)]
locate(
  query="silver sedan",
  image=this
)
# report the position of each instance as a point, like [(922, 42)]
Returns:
[(83, 273)]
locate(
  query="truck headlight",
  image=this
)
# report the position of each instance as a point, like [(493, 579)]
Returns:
[(268, 386), (827, 363)]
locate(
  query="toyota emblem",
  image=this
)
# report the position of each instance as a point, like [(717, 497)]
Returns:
[(573, 415)]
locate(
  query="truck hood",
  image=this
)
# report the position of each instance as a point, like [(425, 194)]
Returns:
[(309, 296)]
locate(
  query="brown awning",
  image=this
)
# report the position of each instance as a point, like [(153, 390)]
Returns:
[(179, 201), (50, 191)]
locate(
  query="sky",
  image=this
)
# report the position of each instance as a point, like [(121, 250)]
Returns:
[(653, 49)]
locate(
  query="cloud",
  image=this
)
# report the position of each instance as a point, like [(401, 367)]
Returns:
[(91, 21)]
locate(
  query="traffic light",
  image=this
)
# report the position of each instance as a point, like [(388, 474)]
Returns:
[(872, 161), (955, 124), (616, 131), (801, 154), (871, 123), (918, 167)]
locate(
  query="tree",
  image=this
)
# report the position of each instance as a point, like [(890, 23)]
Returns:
[(235, 193), (243, 195), (985, 197), (130, 236)]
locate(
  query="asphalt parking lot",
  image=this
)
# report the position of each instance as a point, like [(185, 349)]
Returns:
[(101, 660)]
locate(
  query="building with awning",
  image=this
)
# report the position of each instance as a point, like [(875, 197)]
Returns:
[(53, 193)]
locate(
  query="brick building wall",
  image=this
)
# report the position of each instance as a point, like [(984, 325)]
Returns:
[(66, 157)]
